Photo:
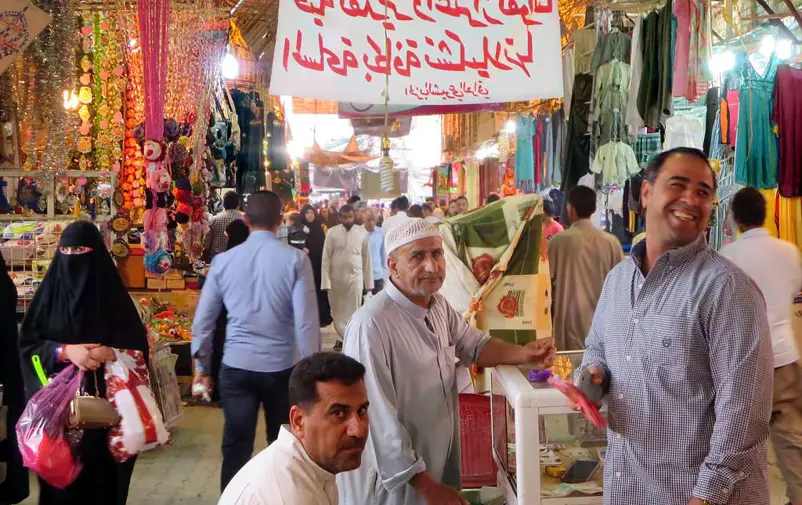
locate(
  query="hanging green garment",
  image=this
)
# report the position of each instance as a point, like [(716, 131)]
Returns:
[(756, 152)]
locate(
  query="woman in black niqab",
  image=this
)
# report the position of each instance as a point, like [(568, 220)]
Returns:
[(80, 310), (314, 243)]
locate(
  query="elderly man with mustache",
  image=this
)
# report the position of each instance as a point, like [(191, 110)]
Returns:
[(408, 337), (327, 433)]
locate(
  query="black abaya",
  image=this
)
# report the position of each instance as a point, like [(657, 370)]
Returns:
[(82, 300), (314, 243), (15, 488)]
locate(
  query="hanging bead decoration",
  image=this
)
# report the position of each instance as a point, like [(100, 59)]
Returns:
[(109, 86), (84, 155), (39, 76), (154, 20)]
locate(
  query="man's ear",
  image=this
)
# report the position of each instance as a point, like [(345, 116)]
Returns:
[(392, 263), (297, 418), (246, 220), (645, 193)]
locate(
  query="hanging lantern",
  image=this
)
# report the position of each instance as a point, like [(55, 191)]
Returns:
[(387, 174)]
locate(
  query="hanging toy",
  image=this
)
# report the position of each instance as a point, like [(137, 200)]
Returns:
[(183, 197), (158, 262)]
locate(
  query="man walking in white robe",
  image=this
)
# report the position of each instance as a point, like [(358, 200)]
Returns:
[(346, 271), (408, 337)]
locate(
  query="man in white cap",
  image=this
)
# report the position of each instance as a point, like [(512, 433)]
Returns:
[(408, 337)]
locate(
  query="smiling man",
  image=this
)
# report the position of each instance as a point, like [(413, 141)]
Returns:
[(408, 337), (683, 336), (327, 434)]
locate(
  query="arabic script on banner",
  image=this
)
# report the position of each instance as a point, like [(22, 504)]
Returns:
[(432, 52)]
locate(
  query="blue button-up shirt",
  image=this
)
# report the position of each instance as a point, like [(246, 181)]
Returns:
[(378, 254), (688, 352), (268, 289)]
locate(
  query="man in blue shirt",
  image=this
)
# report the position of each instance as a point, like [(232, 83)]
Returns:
[(268, 289), (378, 256)]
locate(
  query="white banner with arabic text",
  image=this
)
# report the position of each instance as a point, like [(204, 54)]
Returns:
[(434, 52)]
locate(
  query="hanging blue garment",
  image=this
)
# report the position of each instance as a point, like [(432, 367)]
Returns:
[(524, 154)]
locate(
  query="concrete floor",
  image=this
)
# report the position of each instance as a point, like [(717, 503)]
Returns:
[(188, 471)]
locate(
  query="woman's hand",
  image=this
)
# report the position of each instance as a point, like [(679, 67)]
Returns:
[(88, 357), (80, 355), (103, 354)]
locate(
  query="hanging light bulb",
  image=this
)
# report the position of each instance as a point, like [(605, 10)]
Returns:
[(386, 175), (722, 62), (767, 46), (509, 127), (784, 49), (229, 66), (70, 100)]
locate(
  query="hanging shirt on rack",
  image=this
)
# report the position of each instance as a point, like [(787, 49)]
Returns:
[(616, 162), (613, 46), (654, 93), (633, 117), (700, 50), (684, 131), (611, 95), (682, 10), (787, 113), (568, 79), (584, 45)]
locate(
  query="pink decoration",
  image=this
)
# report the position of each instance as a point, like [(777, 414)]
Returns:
[(154, 19)]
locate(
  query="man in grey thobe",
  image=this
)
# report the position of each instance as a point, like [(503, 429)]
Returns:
[(408, 337)]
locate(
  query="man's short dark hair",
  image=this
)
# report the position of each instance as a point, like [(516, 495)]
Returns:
[(492, 197), (264, 209), (354, 199), (461, 198), (231, 200), (403, 203), (322, 367), (548, 207), (654, 166), (583, 200), (749, 207), (416, 211), (346, 208), (394, 204)]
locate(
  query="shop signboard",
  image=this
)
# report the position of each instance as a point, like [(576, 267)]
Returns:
[(427, 52)]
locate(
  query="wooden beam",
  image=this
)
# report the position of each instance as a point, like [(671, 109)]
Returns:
[(776, 22), (795, 12)]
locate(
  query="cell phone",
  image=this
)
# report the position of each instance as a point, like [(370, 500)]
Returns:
[(580, 471)]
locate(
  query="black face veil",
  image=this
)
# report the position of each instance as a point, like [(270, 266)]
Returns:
[(82, 299)]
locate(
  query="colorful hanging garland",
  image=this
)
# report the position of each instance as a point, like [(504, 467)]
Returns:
[(109, 87)]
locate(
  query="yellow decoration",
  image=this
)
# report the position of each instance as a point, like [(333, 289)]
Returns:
[(85, 95), (83, 113)]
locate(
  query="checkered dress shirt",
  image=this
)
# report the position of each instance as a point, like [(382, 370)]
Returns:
[(688, 352), (217, 229)]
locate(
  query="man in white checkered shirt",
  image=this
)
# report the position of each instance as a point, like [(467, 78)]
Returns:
[(682, 334)]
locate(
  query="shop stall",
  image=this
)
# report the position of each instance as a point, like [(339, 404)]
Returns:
[(547, 453)]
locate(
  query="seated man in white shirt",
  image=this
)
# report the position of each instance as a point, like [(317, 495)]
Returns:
[(327, 434)]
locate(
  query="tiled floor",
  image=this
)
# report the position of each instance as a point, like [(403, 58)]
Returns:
[(187, 472)]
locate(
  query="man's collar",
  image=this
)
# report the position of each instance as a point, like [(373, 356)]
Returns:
[(262, 234), (287, 440), (582, 223), (405, 303), (755, 232), (672, 257)]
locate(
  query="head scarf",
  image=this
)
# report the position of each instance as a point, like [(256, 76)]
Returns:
[(237, 233), (317, 237), (82, 299)]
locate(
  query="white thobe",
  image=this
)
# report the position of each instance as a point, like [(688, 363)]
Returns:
[(346, 272), (411, 382), (282, 474)]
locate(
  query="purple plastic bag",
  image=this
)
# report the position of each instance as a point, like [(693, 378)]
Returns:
[(47, 447)]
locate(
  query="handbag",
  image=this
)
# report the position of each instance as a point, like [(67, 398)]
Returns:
[(89, 412)]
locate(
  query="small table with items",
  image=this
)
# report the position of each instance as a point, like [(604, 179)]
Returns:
[(558, 456)]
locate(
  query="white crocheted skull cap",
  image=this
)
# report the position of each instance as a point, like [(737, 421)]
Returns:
[(409, 231)]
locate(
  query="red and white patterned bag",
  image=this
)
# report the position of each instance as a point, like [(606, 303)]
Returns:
[(141, 427)]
